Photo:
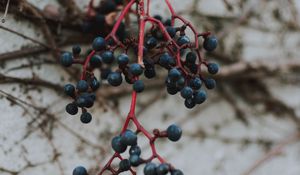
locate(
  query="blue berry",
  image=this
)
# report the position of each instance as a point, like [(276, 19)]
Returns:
[(213, 68), (124, 165), (171, 31), (66, 59), (210, 43), (108, 57), (150, 169), (183, 40), (150, 73), (115, 79), (134, 160), (165, 60), (187, 92), (174, 132), (169, 83), (81, 101), (135, 150), (174, 74), (196, 83), (151, 43), (99, 44), (176, 172), (72, 109), (117, 144), (189, 103), (82, 86), (158, 17), (200, 96), (136, 69), (191, 58), (86, 117), (69, 90), (80, 170), (210, 83), (76, 50), (123, 59), (138, 86), (162, 169), (129, 138), (95, 84), (180, 83), (172, 91), (95, 61)]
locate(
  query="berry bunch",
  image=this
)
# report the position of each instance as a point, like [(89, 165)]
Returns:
[(122, 57)]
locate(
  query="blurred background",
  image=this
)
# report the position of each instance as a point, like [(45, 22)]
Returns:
[(249, 124)]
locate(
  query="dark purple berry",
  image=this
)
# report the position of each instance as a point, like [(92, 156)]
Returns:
[(115, 79), (210, 83), (213, 68), (174, 132), (129, 138), (135, 69), (200, 96), (95, 61), (72, 109), (123, 59), (162, 169), (187, 92), (210, 43), (99, 44), (108, 57), (86, 117), (189, 103), (124, 165), (151, 42), (80, 170), (82, 86), (150, 169), (66, 59), (69, 90), (138, 86), (191, 58), (76, 50), (135, 150), (135, 160), (183, 40), (117, 145)]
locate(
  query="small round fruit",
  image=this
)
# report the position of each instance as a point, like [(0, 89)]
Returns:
[(99, 44), (186, 92), (108, 57), (124, 165), (200, 97), (66, 59), (210, 43), (162, 169), (134, 160), (117, 145), (136, 69), (80, 170), (174, 132), (213, 68), (86, 117), (138, 86), (72, 109), (82, 86), (129, 138), (123, 59), (210, 83), (150, 169), (69, 90), (115, 79), (135, 150)]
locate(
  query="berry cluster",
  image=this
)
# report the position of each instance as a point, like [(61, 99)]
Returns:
[(121, 57)]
